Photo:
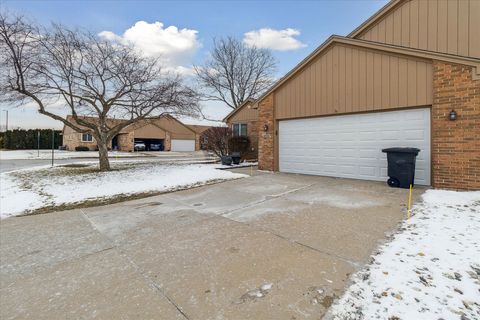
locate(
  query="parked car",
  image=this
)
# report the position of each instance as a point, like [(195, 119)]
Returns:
[(156, 147), (139, 146)]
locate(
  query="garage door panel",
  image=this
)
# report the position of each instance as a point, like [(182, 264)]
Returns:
[(366, 172), (367, 154), (183, 145), (420, 174), (348, 153), (350, 145), (414, 135)]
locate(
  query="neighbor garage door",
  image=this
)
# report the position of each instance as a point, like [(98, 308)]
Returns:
[(183, 145), (350, 146)]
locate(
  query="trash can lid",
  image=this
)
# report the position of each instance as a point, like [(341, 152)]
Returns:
[(402, 150)]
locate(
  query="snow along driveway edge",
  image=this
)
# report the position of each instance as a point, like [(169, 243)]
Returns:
[(30, 191), (429, 270)]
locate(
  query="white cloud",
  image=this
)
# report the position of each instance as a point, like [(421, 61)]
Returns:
[(176, 47), (267, 38)]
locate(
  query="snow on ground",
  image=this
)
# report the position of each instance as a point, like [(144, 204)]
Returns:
[(240, 165), (31, 189), (59, 154), (430, 270)]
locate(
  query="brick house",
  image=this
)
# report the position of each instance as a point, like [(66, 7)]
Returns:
[(168, 132), (243, 121), (408, 76)]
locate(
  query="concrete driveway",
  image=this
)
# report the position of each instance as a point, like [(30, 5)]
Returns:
[(271, 246)]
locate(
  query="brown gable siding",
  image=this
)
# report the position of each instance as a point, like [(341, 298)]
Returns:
[(165, 124), (198, 128), (346, 79), (246, 114), (149, 131), (447, 26), (176, 128)]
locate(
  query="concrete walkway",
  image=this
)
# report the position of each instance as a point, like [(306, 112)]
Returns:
[(271, 246)]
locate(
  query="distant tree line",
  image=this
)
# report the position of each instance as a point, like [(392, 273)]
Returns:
[(27, 139)]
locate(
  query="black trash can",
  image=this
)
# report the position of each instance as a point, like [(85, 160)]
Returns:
[(226, 160), (401, 166), (236, 157)]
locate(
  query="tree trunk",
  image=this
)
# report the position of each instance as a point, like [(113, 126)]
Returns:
[(103, 155)]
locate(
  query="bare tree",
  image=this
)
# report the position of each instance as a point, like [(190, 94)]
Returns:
[(235, 72), (94, 80), (216, 140)]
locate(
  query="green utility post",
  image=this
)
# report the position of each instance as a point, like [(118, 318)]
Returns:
[(53, 145), (38, 143)]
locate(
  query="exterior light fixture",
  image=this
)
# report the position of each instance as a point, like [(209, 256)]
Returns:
[(265, 127), (452, 116)]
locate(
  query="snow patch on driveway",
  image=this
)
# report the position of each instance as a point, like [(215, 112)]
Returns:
[(26, 190), (351, 201), (430, 270)]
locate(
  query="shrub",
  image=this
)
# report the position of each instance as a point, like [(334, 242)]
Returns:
[(216, 140), (81, 148), (239, 144), (17, 139)]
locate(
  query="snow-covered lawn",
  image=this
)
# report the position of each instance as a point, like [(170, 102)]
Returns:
[(28, 190), (429, 270), (59, 154)]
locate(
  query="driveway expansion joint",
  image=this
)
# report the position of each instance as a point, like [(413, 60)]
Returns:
[(266, 199), (136, 267)]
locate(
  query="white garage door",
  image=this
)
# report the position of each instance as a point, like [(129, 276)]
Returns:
[(350, 146), (183, 145)]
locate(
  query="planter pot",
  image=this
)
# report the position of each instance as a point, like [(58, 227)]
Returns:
[(226, 160)]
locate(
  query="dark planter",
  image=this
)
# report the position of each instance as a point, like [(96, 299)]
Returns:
[(236, 157), (226, 160)]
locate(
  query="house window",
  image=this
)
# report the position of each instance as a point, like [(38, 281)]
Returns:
[(240, 129), (87, 137)]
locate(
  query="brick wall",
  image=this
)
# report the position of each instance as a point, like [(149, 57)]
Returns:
[(252, 132), (167, 143), (455, 144), (74, 139), (197, 141), (266, 139), (126, 141)]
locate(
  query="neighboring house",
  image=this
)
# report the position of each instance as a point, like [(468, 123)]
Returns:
[(393, 81), (243, 121), (168, 132), (200, 137)]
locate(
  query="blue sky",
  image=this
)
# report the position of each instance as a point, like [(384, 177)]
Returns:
[(313, 22)]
